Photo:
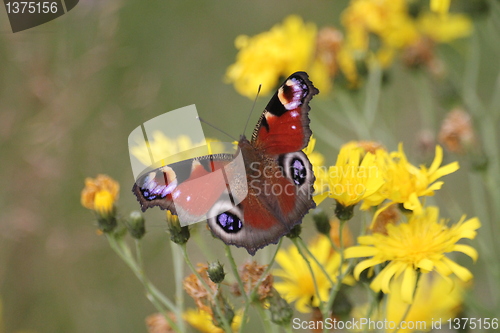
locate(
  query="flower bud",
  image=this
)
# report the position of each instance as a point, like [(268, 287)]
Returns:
[(136, 225), (227, 312), (179, 235), (106, 223), (344, 213), (322, 222), (216, 272), (281, 311), (341, 306), (105, 211), (295, 232)]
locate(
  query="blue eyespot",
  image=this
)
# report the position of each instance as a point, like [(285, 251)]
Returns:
[(229, 222), (298, 171)]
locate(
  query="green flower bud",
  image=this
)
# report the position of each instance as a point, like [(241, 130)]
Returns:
[(227, 312), (281, 311), (295, 232), (136, 225), (322, 222), (179, 235), (341, 305), (344, 213), (216, 272), (107, 222)]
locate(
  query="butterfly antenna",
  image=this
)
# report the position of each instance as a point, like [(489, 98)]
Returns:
[(253, 107), (206, 122)]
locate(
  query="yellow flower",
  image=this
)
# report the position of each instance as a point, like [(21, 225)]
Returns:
[(444, 29), (202, 321), (405, 183), (100, 194), (388, 20), (163, 146), (297, 283), (440, 6), (418, 245), (435, 299), (103, 202), (355, 176), (268, 56)]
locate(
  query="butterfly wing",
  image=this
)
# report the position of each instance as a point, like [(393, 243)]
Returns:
[(274, 194), (188, 188), (284, 125), (279, 175), (279, 195)]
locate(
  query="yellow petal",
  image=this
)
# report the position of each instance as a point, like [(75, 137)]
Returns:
[(426, 264), (409, 284), (443, 171), (383, 280), (320, 197), (360, 251), (364, 265), (437, 160), (461, 272), (468, 250)]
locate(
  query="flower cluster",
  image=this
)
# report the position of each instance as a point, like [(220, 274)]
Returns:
[(375, 32), (417, 246), (266, 57), (368, 173)]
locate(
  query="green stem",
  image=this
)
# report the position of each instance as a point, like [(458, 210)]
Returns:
[(425, 101), (266, 321), (225, 324), (234, 268), (178, 275), (316, 289), (301, 242), (373, 305), (152, 293), (372, 94), (335, 288)]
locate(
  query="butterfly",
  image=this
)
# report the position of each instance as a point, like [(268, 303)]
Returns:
[(273, 193)]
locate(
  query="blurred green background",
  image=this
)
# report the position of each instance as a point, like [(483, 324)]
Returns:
[(72, 90)]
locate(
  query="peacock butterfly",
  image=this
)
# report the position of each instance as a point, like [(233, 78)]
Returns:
[(269, 198)]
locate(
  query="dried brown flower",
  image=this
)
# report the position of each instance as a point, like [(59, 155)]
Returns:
[(250, 273), (420, 53), (426, 142), (328, 45), (457, 133), (156, 323), (391, 215), (194, 288)]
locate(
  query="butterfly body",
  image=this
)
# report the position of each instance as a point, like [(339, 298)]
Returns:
[(272, 196)]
